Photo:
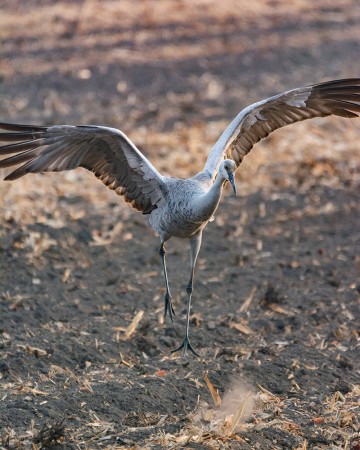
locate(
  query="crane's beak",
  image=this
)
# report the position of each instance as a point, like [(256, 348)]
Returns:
[(232, 181)]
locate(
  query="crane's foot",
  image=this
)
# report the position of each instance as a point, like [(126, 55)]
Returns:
[(186, 346), (169, 307)]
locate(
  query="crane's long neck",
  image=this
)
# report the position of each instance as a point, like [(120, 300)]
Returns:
[(210, 201)]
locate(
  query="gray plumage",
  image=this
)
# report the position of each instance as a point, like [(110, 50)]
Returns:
[(176, 207)]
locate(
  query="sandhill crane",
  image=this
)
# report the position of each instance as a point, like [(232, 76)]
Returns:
[(176, 207)]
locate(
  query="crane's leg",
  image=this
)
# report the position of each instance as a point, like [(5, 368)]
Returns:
[(195, 244), (168, 303)]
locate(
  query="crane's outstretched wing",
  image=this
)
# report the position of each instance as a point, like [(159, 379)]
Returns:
[(107, 152), (338, 97)]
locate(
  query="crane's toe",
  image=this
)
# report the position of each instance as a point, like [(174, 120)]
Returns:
[(186, 346), (169, 307)]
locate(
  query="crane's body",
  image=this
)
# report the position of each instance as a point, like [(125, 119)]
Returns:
[(176, 207), (187, 207)]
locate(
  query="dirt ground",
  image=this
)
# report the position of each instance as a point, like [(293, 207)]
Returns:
[(85, 358)]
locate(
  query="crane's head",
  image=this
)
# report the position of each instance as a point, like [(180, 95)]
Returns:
[(227, 170)]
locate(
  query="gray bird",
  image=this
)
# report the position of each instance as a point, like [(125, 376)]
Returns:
[(176, 207)]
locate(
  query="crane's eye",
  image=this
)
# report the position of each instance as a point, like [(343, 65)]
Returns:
[(226, 167)]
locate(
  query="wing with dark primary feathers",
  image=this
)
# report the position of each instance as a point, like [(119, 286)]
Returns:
[(338, 97), (106, 152)]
